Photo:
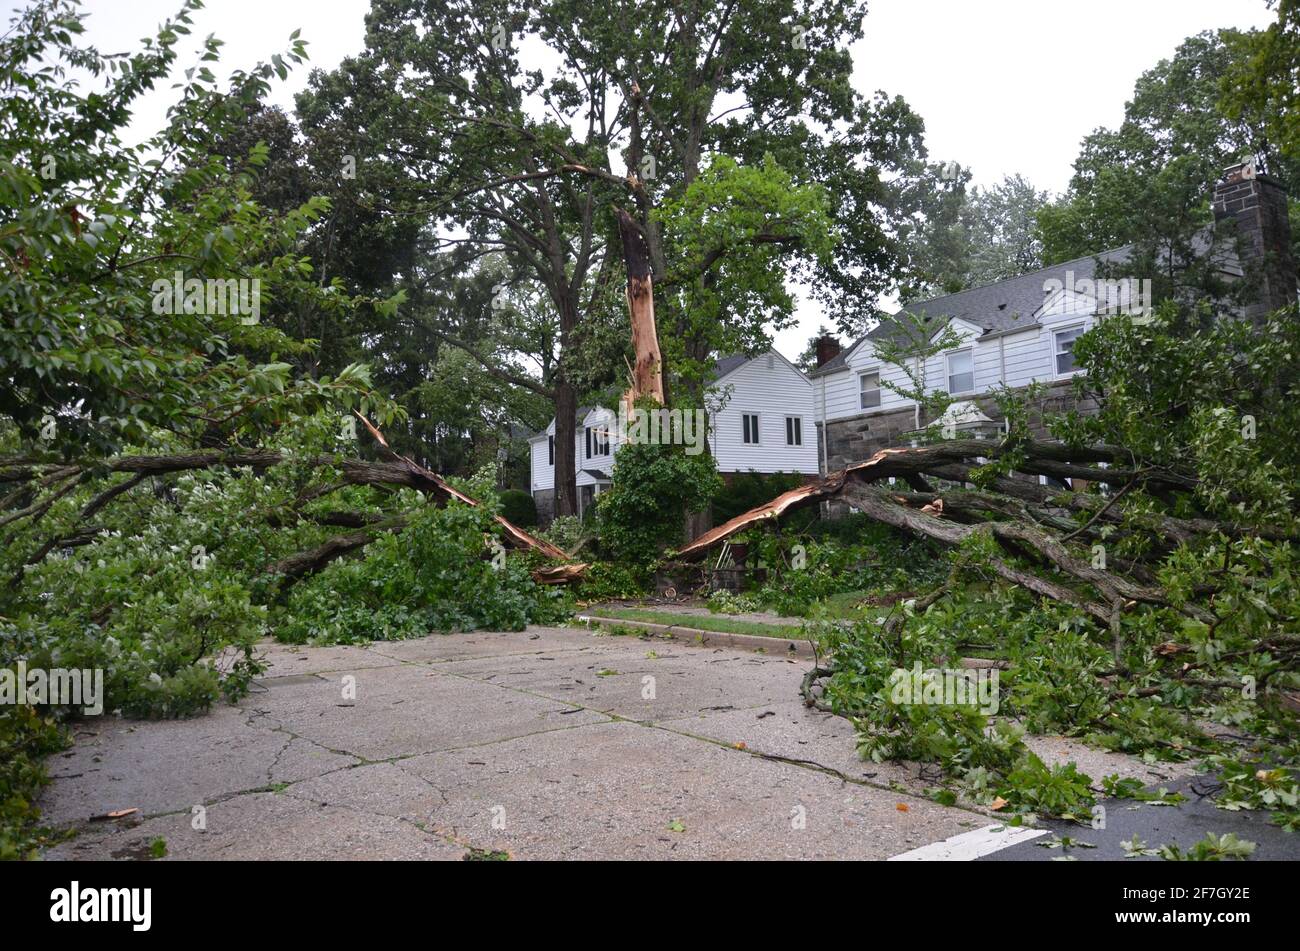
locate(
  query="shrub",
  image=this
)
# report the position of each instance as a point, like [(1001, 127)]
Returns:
[(26, 736), (565, 531), (440, 573), (655, 486), (518, 506)]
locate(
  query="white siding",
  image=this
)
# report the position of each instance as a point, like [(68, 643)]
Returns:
[(543, 471), (773, 393), (1017, 359), (605, 421), (843, 388)]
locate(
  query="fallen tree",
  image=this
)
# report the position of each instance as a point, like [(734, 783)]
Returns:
[(59, 479), (1022, 516), (1134, 574)]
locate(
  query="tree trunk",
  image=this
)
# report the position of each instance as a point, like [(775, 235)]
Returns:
[(647, 373), (566, 437)]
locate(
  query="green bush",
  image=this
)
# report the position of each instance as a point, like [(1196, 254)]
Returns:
[(565, 531), (26, 736), (840, 556), (655, 486), (518, 506), (440, 573)]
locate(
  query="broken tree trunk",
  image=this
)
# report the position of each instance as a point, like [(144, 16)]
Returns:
[(647, 371)]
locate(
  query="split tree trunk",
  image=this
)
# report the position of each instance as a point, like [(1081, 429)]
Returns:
[(647, 372)]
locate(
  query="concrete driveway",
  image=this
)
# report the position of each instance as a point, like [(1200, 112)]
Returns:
[(546, 744)]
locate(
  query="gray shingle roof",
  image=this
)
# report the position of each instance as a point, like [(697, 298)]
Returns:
[(999, 307), (726, 364)]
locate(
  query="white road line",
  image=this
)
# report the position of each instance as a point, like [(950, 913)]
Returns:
[(970, 845)]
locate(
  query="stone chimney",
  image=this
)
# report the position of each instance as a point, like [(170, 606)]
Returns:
[(828, 348), (1255, 206)]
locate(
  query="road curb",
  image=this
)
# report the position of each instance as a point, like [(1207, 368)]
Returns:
[(775, 646)]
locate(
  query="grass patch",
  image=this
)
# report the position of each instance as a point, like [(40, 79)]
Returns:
[(849, 606), (703, 622)]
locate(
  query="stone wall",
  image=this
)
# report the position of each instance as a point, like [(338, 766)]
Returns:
[(1256, 206), (858, 438)]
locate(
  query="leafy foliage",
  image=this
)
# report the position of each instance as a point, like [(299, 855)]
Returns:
[(655, 486), (518, 507), (434, 575), (747, 490)]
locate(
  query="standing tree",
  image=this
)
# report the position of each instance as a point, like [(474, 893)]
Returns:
[(731, 120), (979, 237)]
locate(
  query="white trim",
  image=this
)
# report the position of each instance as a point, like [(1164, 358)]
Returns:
[(758, 428), (777, 353), (970, 845), (958, 325)]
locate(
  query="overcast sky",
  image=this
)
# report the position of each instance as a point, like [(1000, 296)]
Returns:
[(1004, 86)]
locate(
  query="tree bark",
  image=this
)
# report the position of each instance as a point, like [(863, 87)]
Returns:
[(566, 439), (647, 371)]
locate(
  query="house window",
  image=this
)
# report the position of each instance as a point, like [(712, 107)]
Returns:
[(597, 442), (1064, 349), (749, 422), (550, 450), (793, 431), (961, 372), (869, 390)]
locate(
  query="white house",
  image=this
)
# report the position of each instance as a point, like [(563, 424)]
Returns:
[(1021, 330), (1010, 333), (761, 419)]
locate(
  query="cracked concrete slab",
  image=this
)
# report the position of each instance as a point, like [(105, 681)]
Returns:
[(409, 709), (386, 789), (446, 647), (161, 766), (792, 730), (685, 680), (288, 660), (624, 791), (266, 826), (544, 743)]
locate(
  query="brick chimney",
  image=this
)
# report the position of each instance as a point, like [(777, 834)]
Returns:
[(1255, 205), (828, 348)]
